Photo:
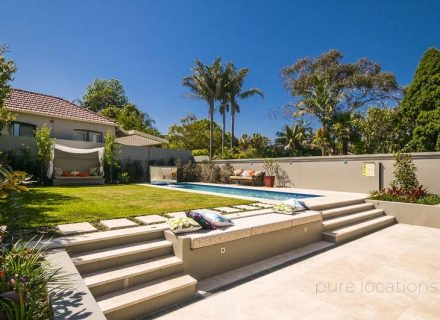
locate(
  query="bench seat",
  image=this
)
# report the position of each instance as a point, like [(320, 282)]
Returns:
[(69, 181), (252, 179)]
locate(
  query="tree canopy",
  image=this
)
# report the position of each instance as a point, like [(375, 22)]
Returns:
[(7, 70), (418, 114), (103, 93)]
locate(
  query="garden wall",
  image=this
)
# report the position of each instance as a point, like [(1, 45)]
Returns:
[(345, 173)]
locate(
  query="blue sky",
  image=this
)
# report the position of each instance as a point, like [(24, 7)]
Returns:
[(61, 46)]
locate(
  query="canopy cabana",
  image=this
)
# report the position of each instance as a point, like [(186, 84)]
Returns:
[(75, 165)]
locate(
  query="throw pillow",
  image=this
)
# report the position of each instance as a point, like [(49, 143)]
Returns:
[(238, 172), (248, 173), (218, 220), (93, 171), (258, 173), (183, 225), (200, 219)]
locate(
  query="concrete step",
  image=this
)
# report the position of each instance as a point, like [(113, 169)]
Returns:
[(91, 261), (336, 204), (106, 239), (350, 232), (340, 211), (129, 275), (141, 300), (341, 221)]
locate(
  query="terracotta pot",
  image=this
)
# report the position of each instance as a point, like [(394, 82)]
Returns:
[(269, 181)]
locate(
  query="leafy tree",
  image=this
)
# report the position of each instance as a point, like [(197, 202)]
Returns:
[(295, 139), (421, 103), (44, 142), (7, 70), (376, 131), (330, 90), (131, 118), (260, 143), (321, 141), (205, 83), (193, 134), (111, 151), (103, 93)]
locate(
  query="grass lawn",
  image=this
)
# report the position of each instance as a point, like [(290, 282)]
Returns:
[(48, 206)]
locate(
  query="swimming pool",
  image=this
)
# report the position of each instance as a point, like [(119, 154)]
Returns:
[(253, 193)]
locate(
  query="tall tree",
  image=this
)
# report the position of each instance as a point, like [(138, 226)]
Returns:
[(7, 70), (131, 118), (421, 102), (295, 139), (206, 83), (234, 92), (103, 93), (325, 87)]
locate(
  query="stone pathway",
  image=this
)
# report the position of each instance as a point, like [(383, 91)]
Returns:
[(117, 223), (76, 228), (150, 219), (227, 209)]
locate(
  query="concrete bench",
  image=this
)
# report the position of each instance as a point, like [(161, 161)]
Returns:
[(210, 252)]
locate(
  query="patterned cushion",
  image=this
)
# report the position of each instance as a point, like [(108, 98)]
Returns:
[(289, 206), (248, 173), (94, 171), (58, 172), (182, 225), (218, 219), (238, 172), (258, 173), (201, 219)]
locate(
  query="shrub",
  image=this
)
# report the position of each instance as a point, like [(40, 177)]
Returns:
[(44, 142), (404, 172), (189, 172), (111, 151), (225, 172), (200, 152), (24, 280), (134, 169), (124, 177), (208, 172)]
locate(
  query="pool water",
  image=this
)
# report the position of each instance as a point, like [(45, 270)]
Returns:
[(253, 193)]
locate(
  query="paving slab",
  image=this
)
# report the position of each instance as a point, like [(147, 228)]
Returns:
[(151, 219), (245, 207), (118, 223), (207, 211), (262, 205), (227, 209), (180, 214), (76, 228)]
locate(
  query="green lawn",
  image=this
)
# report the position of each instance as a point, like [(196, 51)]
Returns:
[(48, 206)]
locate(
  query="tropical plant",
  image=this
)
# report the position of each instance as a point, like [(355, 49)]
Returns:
[(206, 83), (271, 167), (326, 88), (111, 151), (321, 141), (26, 280), (233, 92), (296, 138), (44, 143)]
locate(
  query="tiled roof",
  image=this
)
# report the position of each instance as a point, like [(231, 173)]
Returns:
[(38, 103), (138, 139)]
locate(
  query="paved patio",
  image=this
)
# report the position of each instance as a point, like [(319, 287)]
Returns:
[(390, 274)]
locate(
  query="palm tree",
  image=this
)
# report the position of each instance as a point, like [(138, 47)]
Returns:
[(321, 141), (294, 138), (233, 92), (206, 83), (224, 108)]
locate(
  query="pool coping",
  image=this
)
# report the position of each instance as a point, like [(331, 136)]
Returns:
[(325, 197)]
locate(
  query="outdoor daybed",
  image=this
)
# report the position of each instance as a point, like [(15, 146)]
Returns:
[(206, 253), (251, 178), (73, 166)]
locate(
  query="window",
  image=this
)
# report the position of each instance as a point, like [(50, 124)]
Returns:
[(80, 135), (86, 135), (22, 129)]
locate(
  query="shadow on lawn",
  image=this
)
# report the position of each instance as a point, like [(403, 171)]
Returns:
[(36, 206)]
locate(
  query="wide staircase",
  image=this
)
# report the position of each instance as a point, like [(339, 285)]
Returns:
[(347, 221), (131, 272)]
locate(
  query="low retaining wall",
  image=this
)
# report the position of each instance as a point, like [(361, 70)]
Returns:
[(410, 213)]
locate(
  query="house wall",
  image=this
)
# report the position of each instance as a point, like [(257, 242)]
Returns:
[(61, 128), (344, 173)]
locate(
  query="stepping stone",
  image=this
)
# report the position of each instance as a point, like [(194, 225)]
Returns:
[(176, 214), (206, 211), (151, 219), (245, 207), (263, 205), (227, 209), (118, 223), (76, 228)]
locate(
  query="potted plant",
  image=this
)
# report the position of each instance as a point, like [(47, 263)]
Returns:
[(271, 168)]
